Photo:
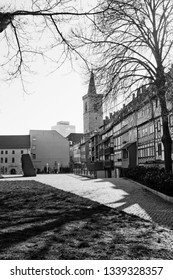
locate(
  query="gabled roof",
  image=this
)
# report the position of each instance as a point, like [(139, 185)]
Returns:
[(14, 141), (75, 137)]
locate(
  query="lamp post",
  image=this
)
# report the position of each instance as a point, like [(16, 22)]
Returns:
[(47, 167)]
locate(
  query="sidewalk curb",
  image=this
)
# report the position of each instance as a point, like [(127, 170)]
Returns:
[(162, 195)]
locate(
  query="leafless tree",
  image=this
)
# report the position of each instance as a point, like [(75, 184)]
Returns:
[(40, 28), (133, 43)]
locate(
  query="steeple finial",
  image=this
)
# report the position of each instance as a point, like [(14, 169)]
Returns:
[(91, 87)]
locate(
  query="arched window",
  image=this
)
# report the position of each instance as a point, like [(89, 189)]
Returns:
[(86, 109)]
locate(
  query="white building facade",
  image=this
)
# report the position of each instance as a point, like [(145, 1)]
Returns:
[(11, 149)]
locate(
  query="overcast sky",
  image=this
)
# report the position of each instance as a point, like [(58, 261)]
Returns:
[(52, 98)]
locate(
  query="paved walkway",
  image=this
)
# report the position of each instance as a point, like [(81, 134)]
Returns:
[(116, 193)]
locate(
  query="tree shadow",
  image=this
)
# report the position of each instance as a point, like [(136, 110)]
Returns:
[(11, 235), (133, 199)]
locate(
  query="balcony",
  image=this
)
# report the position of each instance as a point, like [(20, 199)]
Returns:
[(109, 150), (109, 164)]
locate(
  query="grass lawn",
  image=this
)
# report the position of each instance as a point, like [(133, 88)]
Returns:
[(42, 223)]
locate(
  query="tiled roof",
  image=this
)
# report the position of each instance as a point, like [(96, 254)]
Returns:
[(14, 141)]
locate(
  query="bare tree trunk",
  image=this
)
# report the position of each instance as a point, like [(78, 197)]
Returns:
[(167, 143), (166, 137)]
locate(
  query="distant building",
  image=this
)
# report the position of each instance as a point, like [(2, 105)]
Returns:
[(49, 149), (92, 108), (74, 139), (76, 154), (64, 128), (11, 149)]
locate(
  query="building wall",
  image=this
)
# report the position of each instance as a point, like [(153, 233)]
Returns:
[(49, 148), (10, 160)]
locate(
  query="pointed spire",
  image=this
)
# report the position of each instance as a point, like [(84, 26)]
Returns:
[(91, 87)]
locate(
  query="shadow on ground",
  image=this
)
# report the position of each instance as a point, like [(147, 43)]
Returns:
[(41, 222), (132, 198)]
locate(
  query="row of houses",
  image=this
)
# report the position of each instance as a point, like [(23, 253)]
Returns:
[(128, 138)]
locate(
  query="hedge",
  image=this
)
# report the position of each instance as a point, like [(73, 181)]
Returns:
[(151, 177)]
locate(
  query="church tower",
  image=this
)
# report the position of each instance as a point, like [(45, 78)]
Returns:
[(92, 108)]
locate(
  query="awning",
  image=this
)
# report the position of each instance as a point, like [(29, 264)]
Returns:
[(127, 145)]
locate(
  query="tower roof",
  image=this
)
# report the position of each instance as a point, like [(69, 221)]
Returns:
[(91, 87)]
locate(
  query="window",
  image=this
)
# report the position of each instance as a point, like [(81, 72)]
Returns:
[(158, 126), (6, 160), (34, 156), (151, 129), (125, 154), (151, 151), (157, 102), (6, 152), (86, 109), (139, 114), (1, 160), (171, 120), (159, 149), (95, 108), (2, 152), (13, 152), (13, 160), (21, 152)]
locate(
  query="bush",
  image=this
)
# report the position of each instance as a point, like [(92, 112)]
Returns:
[(152, 177)]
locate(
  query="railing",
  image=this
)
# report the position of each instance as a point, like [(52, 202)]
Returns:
[(109, 150)]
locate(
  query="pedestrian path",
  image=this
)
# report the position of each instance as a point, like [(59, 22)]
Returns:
[(119, 193)]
